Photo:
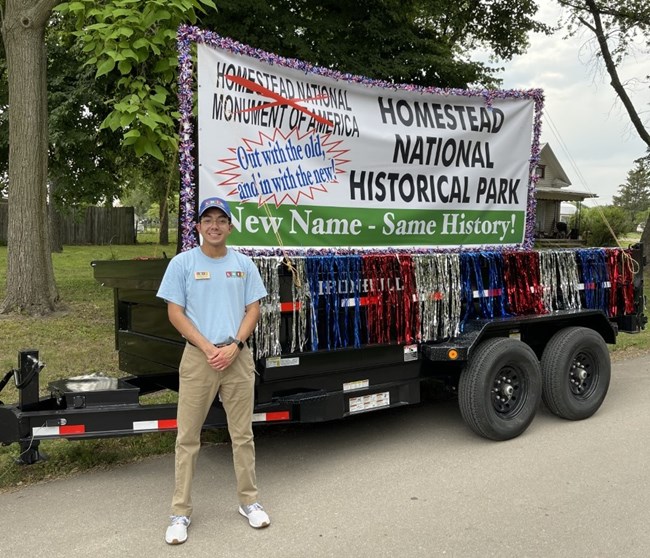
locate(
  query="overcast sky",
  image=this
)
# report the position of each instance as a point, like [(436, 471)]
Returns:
[(589, 130)]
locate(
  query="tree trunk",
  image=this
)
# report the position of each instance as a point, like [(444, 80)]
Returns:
[(601, 37), (30, 276), (163, 238), (172, 175)]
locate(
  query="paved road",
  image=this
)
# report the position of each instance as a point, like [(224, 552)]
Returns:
[(407, 482)]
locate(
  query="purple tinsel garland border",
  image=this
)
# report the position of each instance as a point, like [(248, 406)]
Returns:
[(188, 34)]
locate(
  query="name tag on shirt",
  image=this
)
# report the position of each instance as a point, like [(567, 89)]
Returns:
[(199, 275)]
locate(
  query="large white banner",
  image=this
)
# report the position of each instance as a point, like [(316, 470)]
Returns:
[(307, 161)]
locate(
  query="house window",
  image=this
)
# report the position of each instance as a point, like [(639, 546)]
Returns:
[(540, 170)]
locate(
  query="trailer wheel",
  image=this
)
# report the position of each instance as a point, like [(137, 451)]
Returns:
[(500, 388), (576, 370)]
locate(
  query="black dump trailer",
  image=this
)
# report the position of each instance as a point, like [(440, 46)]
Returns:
[(327, 349)]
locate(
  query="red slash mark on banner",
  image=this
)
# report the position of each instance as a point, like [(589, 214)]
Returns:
[(279, 99)]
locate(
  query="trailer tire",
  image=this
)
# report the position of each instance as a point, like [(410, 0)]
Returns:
[(500, 388), (576, 371)]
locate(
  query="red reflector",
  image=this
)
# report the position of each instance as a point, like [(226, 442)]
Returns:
[(169, 423), (72, 429), (278, 415)]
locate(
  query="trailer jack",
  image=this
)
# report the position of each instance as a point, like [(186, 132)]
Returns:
[(30, 453), (28, 385)]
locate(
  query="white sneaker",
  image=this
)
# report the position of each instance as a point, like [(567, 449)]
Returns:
[(257, 517), (177, 530)]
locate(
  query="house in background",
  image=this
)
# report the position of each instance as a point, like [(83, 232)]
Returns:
[(552, 190)]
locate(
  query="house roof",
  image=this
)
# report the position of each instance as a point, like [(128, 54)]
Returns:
[(548, 158), (552, 193), (555, 188)]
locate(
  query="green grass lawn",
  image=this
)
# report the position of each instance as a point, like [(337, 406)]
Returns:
[(79, 339)]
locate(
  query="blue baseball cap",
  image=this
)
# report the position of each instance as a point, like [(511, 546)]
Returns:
[(207, 203)]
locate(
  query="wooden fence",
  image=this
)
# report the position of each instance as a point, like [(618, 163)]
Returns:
[(92, 225)]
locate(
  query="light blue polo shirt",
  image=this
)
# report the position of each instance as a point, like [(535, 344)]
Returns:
[(214, 292)]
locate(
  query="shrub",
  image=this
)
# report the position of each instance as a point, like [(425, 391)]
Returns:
[(596, 222)]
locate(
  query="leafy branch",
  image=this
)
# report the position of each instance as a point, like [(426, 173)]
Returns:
[(136, 41)]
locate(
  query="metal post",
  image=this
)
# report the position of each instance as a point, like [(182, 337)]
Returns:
[(27, 379), (27, 382)]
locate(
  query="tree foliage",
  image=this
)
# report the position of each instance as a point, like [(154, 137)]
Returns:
[(621, 29), (424, 42), (136, 41), (634, 196), (601, 226), (85, 161)]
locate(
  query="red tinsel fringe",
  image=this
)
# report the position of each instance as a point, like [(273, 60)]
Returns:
[(522, 283), (621, 279), (391, 310)]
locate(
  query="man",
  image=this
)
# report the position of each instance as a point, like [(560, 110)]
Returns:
[(212, 294)]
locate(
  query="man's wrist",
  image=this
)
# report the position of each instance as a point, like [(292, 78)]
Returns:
[(239, 343)]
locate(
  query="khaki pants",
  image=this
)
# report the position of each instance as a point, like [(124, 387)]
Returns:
[(199, 385)]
